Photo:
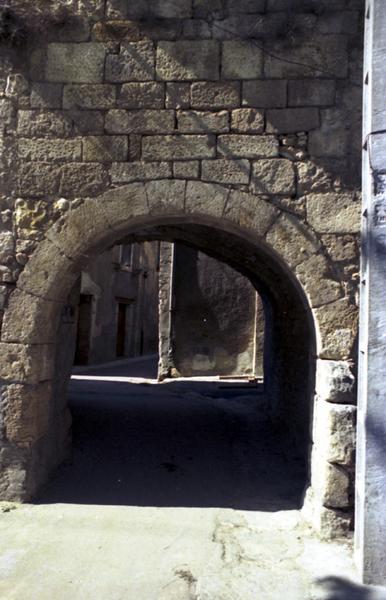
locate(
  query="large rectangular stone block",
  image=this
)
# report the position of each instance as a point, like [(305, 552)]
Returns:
[(177, 95), (188, 60), (105, 148), (269, 93), (38, 179), (150, 9), (134, 63), (306, 92), (292, 120), (99, 96), (334, 213), (194, 121), (247, 146), (241, 60), (140, 121), (207, 95), (46, 95), (273, 176), (140, 171), (178, 147), (333, 138), (49, 150), (226, 171), (321, 56), (39, 124), (78, 63), (142, 95), (247, 120), (83, 179)]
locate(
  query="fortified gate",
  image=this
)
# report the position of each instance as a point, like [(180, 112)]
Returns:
[(231, 125)]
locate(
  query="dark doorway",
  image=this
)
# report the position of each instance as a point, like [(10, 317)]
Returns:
[(121, 328), (83, 337)]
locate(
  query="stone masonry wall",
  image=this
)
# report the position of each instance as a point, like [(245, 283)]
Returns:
[(257, 96)]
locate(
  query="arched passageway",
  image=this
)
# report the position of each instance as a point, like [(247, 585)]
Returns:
[(271, 248)]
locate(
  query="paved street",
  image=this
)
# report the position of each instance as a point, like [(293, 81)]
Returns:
[(174, 491)]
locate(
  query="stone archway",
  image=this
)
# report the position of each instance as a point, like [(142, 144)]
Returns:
[(290, 257)]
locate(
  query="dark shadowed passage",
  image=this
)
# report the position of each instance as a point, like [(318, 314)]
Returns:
[(188, 443)]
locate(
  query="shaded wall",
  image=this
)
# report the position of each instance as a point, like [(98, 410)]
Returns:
[(217, 319)]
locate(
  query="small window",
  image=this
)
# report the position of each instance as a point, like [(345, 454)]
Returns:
[(126, 256)]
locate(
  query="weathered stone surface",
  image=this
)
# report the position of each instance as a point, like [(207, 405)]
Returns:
[(337, 330), (188, 60), (178, 147), (337, 424), (311, 273), (265, 93), (22, 363), (30, 320), (142, 95), (200, 196), (332, 484), (87, 122), (134, 63), (333, 213), (246, 6), (291, 120), (341, 247), (105, 148), (241, 60), (189, 169), (323, 175), (39, 124), (7, 245), (78, 63), (308, 92), (7, 112), (79, 179), (136, 31), (38, 179), (140, 121), (332, 139), (194, 121), (177, 95), (321, 56), (207, 95), (49, 150), (291, 240), (165, 195), (335, 381), (136, 171), (276, 176), (247, 120), (150, 9), (100, 96), (46, 95), (247, 211), (247, 146), (226, 171), (196, 29), (26, 413), (342, 21)]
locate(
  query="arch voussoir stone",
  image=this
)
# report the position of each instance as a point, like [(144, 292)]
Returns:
[(89, 226)]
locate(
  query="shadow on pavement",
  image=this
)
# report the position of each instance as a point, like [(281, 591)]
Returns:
[(180, 444), (338, 588)]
